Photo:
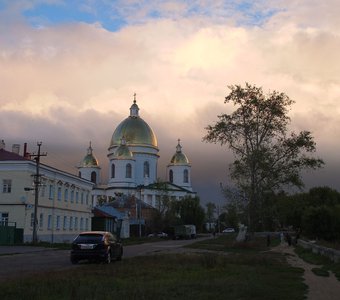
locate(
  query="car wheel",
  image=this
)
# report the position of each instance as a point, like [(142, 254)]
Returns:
[(74, 261), (108, 258), (119, 257)]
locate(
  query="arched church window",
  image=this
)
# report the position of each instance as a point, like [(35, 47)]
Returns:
[(185, 176), (146, 169), (128, 171), (94, 177), (113, 171), (171, 176)]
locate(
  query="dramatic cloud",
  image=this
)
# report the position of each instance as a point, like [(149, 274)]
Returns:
[(67, 83)]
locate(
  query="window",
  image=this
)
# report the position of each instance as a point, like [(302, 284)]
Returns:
[(41, 220), (128, 171), (82, 198), (76, 223), (59, 193), (146, 169), (6, 185), (72, 195), (77, 196), (171, 176), (71, 223), (66, 195), (65, 223), (3, 218), (51, 192), (58, 223), (49, 222), (86, 224), (186, 176), (113, 169), (87, 198), (81, 224), (94, 177)]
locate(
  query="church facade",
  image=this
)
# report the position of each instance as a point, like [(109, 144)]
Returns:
[(133, 155)]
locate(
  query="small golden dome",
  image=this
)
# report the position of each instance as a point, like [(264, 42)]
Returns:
[(123, 151), (89, 160), (179, 158)]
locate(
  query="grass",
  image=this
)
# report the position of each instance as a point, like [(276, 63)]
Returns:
[(317, 259), (207, 275), (227, 243)]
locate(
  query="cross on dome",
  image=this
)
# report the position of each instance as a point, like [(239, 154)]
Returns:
[(179, 147), (134, 107), (89, 149)]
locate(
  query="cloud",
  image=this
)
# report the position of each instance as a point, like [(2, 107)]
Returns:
[(70, 83)]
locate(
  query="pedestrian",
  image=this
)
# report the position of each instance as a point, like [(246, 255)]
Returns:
[(268, 240), (282, 238), (289, 239)]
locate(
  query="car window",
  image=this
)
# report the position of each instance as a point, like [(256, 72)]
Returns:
[(89, 238)]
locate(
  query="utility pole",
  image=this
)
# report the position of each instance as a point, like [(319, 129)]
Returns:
[(36, 183)]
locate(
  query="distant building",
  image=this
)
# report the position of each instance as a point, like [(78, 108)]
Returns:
[(65, 200)]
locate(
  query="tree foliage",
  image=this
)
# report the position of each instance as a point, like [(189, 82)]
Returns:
[(267, 155)]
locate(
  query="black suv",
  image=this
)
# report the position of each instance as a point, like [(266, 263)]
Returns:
[(96, 246)]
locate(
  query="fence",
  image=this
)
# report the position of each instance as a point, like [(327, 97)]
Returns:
[(332, 254)]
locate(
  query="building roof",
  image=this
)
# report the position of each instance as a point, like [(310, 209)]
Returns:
[(7, 155), (108, 211)]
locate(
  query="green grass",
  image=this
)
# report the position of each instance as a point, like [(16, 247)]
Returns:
[(220, 275), (228, 243)]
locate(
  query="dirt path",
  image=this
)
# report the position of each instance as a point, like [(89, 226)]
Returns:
[(319, 287)]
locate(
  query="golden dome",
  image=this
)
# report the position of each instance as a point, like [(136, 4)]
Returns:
[(179, 158), (89, 160), (134, 130)]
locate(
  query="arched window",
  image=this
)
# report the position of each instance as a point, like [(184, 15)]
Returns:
[(94, 177), (113, 169), (146, 169), (185, 176), (171, 176), (128, 171)]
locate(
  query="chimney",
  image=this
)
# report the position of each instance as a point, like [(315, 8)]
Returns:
[(2, 144), (16, 148), (27, 155)]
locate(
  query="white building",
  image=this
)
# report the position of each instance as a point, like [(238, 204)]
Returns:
[(133, 159), (65, 201)]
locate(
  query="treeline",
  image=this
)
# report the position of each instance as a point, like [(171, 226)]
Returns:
[(316, 213)]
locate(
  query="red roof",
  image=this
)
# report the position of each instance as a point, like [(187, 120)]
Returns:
[(6, 155)]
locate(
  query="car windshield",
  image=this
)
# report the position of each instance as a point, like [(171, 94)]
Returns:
[(89, 238)]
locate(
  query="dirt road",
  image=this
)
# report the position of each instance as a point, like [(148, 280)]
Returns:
[(319, 288)]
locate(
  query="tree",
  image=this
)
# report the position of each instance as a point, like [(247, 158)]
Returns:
[(211, 207), (190, 211), (267, 156)]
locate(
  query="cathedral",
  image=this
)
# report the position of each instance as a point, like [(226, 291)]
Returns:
[(133, 159)]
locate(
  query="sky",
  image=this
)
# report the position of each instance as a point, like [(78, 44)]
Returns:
[(69, 69)]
